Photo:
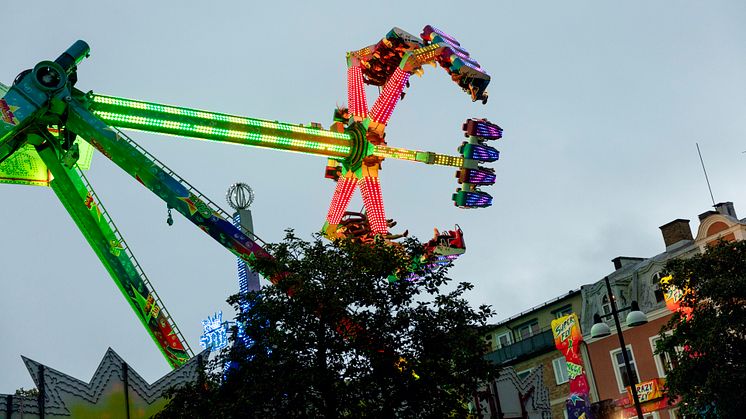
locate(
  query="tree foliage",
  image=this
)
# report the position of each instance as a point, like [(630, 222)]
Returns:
[(336, 338), (708, 347)]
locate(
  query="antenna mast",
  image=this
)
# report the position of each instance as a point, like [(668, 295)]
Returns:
[(706, 178)]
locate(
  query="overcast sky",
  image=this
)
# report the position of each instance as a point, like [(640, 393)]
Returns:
[(601, 103)]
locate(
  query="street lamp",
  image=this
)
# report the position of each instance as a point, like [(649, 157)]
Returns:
[(601, 329)]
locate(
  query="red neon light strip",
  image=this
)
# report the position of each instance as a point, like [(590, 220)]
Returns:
[(370, 187), (341, 199), (385, 103), (356, 92)]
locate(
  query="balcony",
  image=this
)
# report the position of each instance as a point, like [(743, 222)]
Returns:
[(539, 343)]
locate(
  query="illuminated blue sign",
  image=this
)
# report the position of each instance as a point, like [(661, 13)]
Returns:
[(215, 332)]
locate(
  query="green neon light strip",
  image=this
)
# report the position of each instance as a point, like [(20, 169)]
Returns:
[(193, 123), (213, 133), (173, 110)]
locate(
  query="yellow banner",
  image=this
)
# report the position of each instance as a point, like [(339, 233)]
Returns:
[(647, 390)]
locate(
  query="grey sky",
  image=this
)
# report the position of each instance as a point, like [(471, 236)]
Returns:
[(601, 103)]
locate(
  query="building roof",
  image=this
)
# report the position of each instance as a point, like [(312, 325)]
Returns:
[(569, 294)]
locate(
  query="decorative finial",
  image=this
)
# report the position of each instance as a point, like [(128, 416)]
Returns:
[(240, 196)]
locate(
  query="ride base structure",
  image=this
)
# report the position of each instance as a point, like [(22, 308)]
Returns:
[(49, 130)]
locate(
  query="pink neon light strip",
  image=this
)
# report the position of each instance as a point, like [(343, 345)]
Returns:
[(341, 199), (370, 187), (386, 103), (356, 92)]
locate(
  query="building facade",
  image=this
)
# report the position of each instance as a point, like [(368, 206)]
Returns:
[(525, 343), (637, 279)]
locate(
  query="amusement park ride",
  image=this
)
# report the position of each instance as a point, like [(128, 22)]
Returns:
[(48, 130)]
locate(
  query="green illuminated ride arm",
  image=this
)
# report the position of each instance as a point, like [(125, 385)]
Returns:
[(185, 122), (81, 202), (193, 123)]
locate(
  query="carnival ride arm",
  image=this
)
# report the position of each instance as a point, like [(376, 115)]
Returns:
[(204, 125), (84, 207), (192, 123)]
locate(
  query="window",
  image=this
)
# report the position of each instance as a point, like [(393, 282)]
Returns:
[(655, 283), (528, 330), (560, 370), (504, 339), (663, 362), (605, 305), (523, 374), (617, 360), (563, 311)]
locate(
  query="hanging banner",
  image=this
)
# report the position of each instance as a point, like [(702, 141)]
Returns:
[(567, 338), (648, 390)]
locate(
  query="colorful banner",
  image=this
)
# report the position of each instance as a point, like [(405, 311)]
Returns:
[(567, 338), (647, 390)]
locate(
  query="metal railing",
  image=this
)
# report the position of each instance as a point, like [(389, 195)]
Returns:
[(524, 348)]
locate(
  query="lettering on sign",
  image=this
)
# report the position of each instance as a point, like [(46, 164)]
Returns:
[(573, 370), (564, 329)]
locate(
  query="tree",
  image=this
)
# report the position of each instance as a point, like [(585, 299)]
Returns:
[(337, 337), (708, 346)]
